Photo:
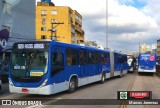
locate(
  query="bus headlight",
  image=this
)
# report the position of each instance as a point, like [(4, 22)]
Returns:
[(10, 82), (44, 83)]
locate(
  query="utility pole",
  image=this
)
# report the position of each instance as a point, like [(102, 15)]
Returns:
[(107, 24), (126, 44), (53, 30)]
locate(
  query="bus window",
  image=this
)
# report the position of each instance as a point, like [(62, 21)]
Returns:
[(105, 58), (98, 58), (91, 57), (57, 63), (71, 57), (82, 57)]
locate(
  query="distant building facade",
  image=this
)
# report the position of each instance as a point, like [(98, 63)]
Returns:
[(144, 48), (91, 43), (153, 48), (158, 47), (58, 21)]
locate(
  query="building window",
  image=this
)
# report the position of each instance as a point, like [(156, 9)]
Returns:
[(77, 18), (43, 37), (53, 21), (43, 12), (43, 28), (54, 12), (43, 20), (73, 30)]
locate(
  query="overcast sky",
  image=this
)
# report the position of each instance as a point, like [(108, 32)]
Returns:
[(128, 21)]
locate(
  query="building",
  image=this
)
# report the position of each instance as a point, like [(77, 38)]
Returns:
[(17, 22), (144, 48), (158, 47), (58, 21), (91, 43), (153, 48)]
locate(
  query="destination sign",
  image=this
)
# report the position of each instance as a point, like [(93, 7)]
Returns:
[(31, 46)]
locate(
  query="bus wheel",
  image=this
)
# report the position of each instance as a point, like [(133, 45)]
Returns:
[(72, 85), (103, 78), (121, 74)]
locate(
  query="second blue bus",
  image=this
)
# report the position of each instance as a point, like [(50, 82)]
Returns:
[(147, 63)]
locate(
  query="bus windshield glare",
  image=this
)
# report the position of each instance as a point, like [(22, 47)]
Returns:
[(29, 65)]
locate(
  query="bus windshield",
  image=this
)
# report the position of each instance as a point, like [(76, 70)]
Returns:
[(129, 61), (28, 65)]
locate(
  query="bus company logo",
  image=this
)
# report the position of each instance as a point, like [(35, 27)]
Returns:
[(123, 95), (6, 102), (139, 95)]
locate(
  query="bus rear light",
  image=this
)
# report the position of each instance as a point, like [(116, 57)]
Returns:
[(25, 90), (44, 83)]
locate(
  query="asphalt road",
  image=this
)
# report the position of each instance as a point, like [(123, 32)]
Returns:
[(107, 90)]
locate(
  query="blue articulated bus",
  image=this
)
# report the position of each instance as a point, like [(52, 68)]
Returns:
[(48, 67), (147, 63)]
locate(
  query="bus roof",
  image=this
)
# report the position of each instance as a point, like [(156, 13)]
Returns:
[(62, 44), (145, 54)]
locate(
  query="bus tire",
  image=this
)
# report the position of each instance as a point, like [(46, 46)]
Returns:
[(121, 74), (103, 77), (152, 74), (72, 85)]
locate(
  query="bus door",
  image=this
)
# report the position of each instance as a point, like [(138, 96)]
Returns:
[(92, 67), (98, 63), (58, 64), (117, 64), (83, 63)]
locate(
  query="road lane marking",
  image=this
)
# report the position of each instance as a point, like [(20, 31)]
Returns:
[(123, 104)]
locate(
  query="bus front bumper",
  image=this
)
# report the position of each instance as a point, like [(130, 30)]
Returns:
[(39, 90), (45, 90)]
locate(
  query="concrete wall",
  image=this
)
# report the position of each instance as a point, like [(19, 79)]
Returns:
[(17, 22)]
